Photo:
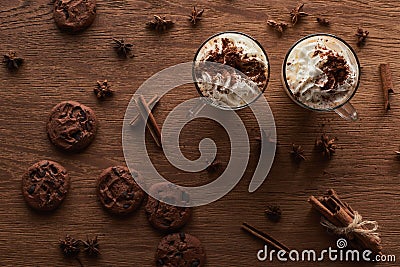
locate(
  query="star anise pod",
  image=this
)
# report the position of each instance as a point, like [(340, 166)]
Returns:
[(323, 21), (123, 49), (91, 246), (69, 246), (297, 153), (273, 213), (267, 137), (103, 89), (297, 13), (326, 145), (268, 141), (361, 36), (214, 166), (160, 23), (280, 27), (11, 60), (195, 15)]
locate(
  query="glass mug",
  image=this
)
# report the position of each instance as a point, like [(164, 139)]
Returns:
[(321, 72), (224, 71)]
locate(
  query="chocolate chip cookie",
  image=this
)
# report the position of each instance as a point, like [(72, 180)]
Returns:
[(170, 194), (71, 126), (74, 15), (180, 250), (163, 216), (118, 191), (45, 185)]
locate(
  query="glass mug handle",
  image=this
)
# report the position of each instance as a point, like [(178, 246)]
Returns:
[(196, 109), (347, 112)]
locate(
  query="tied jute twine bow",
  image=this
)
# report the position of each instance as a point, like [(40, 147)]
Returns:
[(365, 228)]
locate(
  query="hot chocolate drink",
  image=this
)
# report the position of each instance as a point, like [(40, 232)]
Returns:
[(321, 72), (232, 71)]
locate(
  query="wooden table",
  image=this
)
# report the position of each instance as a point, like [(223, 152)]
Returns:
[(58, 66)]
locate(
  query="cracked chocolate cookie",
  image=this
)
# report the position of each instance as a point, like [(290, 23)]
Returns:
[(71, 126), (170, 193), (74, 15), (163, 216), (180, 250), (45, 185), (118, 191), (166, 217)]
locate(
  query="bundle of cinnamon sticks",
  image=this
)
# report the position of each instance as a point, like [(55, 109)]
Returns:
[(339, 215)]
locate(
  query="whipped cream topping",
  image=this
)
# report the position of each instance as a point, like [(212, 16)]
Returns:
[(225, 86), (322, 72)]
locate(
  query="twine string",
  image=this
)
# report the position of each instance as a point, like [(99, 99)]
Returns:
[(365, 228)]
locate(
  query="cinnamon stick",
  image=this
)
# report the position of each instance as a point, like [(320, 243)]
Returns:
[(340, 214), (387, 83), (366, 241), (332, 194), (151, 104), (316, 204), (265, 237), (151, 124)]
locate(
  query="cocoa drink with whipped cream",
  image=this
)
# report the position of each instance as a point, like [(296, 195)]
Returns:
[(321, 72), (231, 70)]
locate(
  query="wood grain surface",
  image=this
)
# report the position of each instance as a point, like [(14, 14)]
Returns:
[(58, 66)]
